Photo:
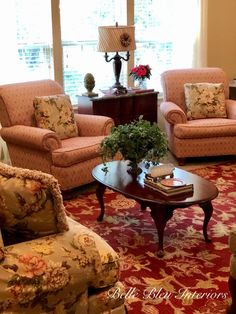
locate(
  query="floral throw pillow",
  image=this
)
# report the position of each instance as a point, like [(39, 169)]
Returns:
[(205, 100), (55, 113), (31, 205)]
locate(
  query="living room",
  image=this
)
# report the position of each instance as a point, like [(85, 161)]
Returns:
[(191, 276)]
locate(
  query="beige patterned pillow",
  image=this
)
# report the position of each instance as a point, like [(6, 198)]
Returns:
[(56, 113), (205, 100)]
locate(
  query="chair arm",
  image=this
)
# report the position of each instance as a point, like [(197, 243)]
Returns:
[(31, 137), (231, 108), (93, 125), (172, 113)]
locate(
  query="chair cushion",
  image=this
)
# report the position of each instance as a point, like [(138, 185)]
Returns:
[(205, 100), (76, 149), (205, 128), (55, 113), (30, 204)]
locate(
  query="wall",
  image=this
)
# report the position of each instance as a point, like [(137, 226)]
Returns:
[(221, 35)]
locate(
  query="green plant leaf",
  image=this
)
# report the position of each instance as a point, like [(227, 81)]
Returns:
[(136, 141)]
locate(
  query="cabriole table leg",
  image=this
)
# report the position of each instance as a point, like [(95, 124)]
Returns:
[(100, 193), (208, 210), (160, 215)]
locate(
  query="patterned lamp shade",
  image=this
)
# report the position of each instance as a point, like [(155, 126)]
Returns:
[(116, 38)]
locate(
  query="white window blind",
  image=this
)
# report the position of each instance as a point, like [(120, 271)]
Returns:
[(26, 37), (166, 32), (79, 29), (165, 35)]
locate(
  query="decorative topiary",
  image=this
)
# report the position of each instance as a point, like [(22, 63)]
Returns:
[(89, 83)]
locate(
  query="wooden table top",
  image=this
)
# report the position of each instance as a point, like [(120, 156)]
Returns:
[(118, 179)]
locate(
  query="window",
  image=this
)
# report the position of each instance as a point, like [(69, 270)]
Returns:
[(27, 50), (165, 37), (79, 41)]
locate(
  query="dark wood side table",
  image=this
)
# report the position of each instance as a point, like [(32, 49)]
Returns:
[(123, 108), (119, 180), (232, 90)]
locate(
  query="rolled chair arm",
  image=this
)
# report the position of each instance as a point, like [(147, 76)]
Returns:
[(172, 113), (93, 125), (231, 108), (32, 137)]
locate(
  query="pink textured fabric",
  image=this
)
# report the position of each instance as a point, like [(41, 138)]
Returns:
[(32, 137), (173, 82), (16, 100), (89, 125), (30, 158), (76, 149), (204, 147), (195, 138), (205, 128), (71, 160), (76, 175), (173, 113), (231, 109)]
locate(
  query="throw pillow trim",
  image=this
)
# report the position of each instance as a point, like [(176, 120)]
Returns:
[(45, 179)]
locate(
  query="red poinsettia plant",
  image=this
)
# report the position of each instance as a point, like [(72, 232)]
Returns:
[(141, 72)]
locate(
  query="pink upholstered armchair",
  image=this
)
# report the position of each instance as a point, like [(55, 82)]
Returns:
[(70, 160), (196, 137)]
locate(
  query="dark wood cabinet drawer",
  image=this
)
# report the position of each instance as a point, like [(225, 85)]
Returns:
[(232, 91), (122, 109)]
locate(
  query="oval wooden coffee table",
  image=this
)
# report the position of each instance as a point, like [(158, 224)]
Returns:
[(118, 179)]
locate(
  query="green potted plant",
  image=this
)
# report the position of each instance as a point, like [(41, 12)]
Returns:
[(137, 141)]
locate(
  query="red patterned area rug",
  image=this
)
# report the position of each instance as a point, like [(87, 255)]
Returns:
[(192, 276)]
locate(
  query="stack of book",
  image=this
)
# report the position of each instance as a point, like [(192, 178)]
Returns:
[(169, 187)]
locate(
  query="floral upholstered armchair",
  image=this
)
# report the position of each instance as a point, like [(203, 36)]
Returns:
[(48, 262), (200, 119), (42, 132)]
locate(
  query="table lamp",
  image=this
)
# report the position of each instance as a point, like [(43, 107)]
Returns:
[(116, 39)]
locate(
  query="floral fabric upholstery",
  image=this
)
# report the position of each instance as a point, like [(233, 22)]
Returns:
[(205, 100), (35, 148), (232, 274), (70, 271), (203, 136), (54, 273), (107, 298), (30, 204), (232, 246), (56, 113)]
